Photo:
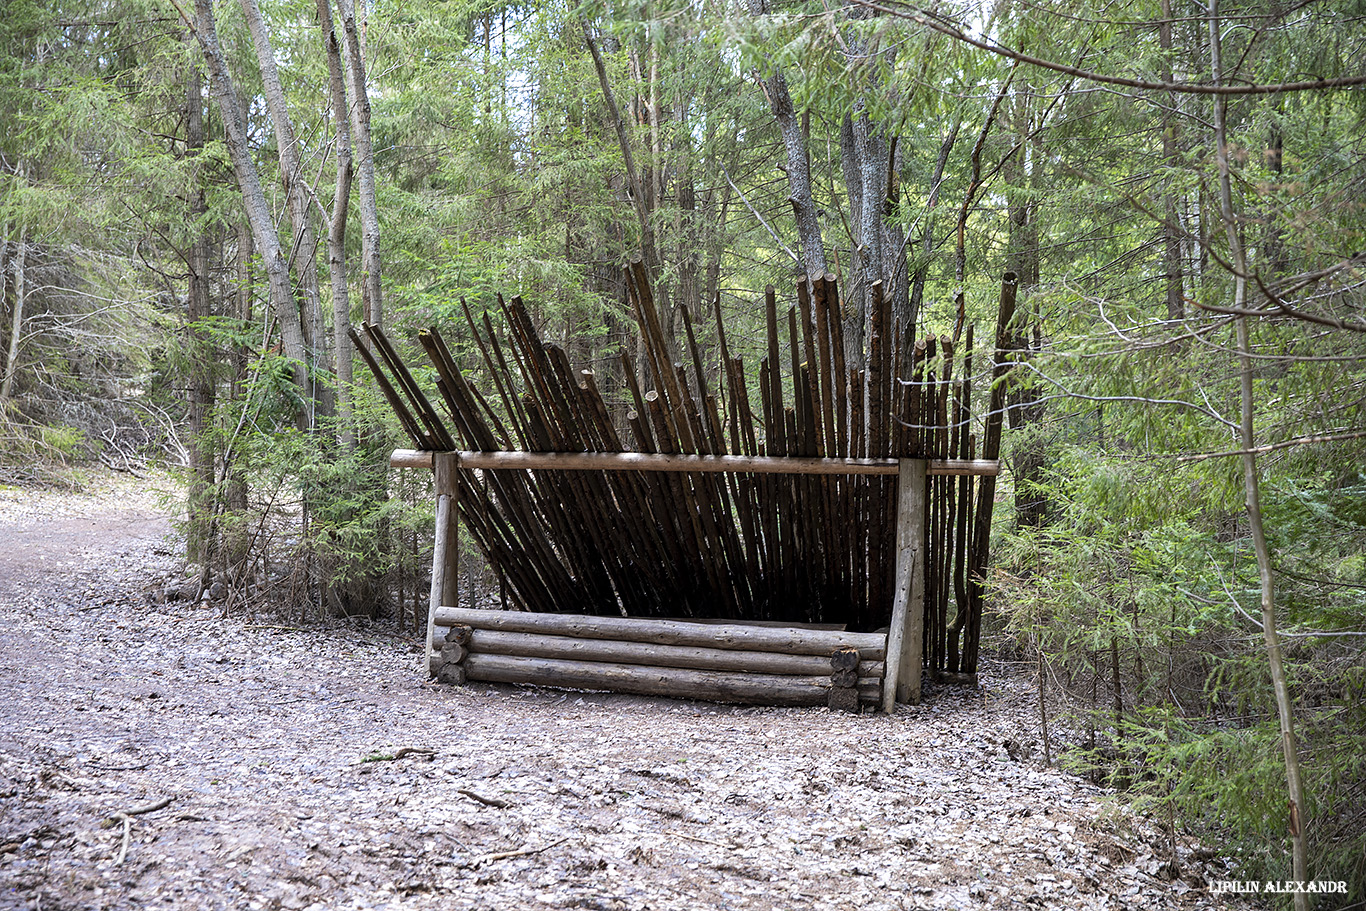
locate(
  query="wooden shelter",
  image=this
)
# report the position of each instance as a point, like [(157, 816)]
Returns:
[(804, 553)]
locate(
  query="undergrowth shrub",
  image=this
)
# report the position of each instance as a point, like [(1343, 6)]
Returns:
[(1141, 599)]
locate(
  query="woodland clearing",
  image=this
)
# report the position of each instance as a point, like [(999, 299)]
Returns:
[(156, 754)]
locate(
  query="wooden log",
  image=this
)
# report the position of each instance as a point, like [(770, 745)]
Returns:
[(653, 461), (422, 408), (871, 646), (772, 624), (676, 683), (905, 636), (616, 651)]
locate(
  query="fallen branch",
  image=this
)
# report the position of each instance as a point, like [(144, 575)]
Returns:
[(123, 848), (520, 852), (486, 801), (703, 841), (150, 808), (126, 817), (428, 752), (138, 811)]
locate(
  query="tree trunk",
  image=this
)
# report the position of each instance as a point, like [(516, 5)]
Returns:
[(1171, 157), (855, 315), (353, 49), (304, 244), (17, 317), (336, 234), (798, 174), (1022, 183), (234, 535), (257, 209), (870, 147), (199, 530), (640, 190), (1251, 480), (4, 275)]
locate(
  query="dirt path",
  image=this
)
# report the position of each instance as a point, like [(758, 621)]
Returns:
[(482, 797)]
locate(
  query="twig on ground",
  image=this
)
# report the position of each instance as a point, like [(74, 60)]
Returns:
[(703, 841), (426, 752), (126, 816), (138, 811), (486, 801), (520, 852), (123, 848)]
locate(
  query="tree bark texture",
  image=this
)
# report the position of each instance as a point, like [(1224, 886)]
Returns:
[(798, 174)]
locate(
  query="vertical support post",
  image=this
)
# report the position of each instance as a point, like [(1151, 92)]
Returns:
[(905, 637), (446, 551)]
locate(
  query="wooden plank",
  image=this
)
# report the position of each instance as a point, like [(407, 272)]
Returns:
[(615, 651), (901, 683), (676, 683), (649, 461), (872, 646)]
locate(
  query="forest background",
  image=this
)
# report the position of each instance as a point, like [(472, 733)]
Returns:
[(197, 200)]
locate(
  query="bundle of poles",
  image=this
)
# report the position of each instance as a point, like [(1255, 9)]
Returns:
[(808, 543)]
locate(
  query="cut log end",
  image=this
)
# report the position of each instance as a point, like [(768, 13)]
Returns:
[(452, 674), (843, 699)]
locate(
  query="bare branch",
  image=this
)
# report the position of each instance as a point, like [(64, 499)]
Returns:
[(1272, 447), (915, 14)]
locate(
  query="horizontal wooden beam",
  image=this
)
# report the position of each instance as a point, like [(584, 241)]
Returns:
[(676, 683), (794, 641), (651, 461)]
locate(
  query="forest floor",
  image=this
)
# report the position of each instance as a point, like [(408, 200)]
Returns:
[(259, 765)]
